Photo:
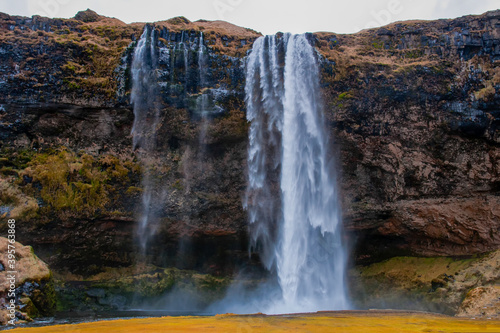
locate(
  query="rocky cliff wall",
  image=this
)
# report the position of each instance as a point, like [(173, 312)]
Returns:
[(412, 107)]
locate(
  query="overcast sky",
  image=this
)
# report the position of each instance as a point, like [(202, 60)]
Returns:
[(266, 16)]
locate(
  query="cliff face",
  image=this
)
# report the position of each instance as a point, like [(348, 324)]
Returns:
[(412, 107)]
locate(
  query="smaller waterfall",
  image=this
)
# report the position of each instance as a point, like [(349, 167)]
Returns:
[(144, 97), (185, 51), (144, 88), (202, 102), (202, 61)]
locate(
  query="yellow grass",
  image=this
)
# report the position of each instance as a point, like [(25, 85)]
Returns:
[(347, 321)]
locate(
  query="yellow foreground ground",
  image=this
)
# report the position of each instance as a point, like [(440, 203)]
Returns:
[(343, 321)]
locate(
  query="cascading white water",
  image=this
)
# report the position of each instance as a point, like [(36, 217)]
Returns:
[(264, 92), (186, 56), (144, 63), (202, 60), (295, 217), (146, 115), (203, 100)]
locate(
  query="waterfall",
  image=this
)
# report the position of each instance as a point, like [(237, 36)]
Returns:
[(292, 197), (185, 52), (202, 61), (202, 102), (144, 80), (144, 98), (264, 92)]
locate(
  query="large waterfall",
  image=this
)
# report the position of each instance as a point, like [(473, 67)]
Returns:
[(292, 197)]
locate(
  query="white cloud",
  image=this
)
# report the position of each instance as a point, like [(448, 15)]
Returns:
[(267, 16)]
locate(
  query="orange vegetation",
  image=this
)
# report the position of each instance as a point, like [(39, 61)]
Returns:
[(345, 321)]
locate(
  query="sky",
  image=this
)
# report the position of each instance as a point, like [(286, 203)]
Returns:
[(265, 16)]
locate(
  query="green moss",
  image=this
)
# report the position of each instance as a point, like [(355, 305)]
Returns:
[(414, 54), (29, 308), (411, 270), (8, 171), (70, 183), (137, 284), (62, 188), (70, 67), (429, 284), (133, 190), (344, 96), (16, 159), (45, 300), (378, 44), (177, 185), (72, 85), (210, 283)]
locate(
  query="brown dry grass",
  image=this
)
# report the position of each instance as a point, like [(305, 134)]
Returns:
[(28, 266), (213, 32), (21, 204)]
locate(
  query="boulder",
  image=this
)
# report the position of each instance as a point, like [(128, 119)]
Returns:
[(34, 288), (87, 16), (481, 303)]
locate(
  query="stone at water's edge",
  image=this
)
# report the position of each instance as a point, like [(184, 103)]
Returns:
[(481, 302), (34, 285)]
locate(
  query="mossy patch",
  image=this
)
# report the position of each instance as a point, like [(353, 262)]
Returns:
[(410, 272), (69, 182), (60, 183), (136, 284), (432, 284)]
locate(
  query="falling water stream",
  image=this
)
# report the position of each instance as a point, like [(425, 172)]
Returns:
[(295, 218), (203, 100), (146, 116)]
